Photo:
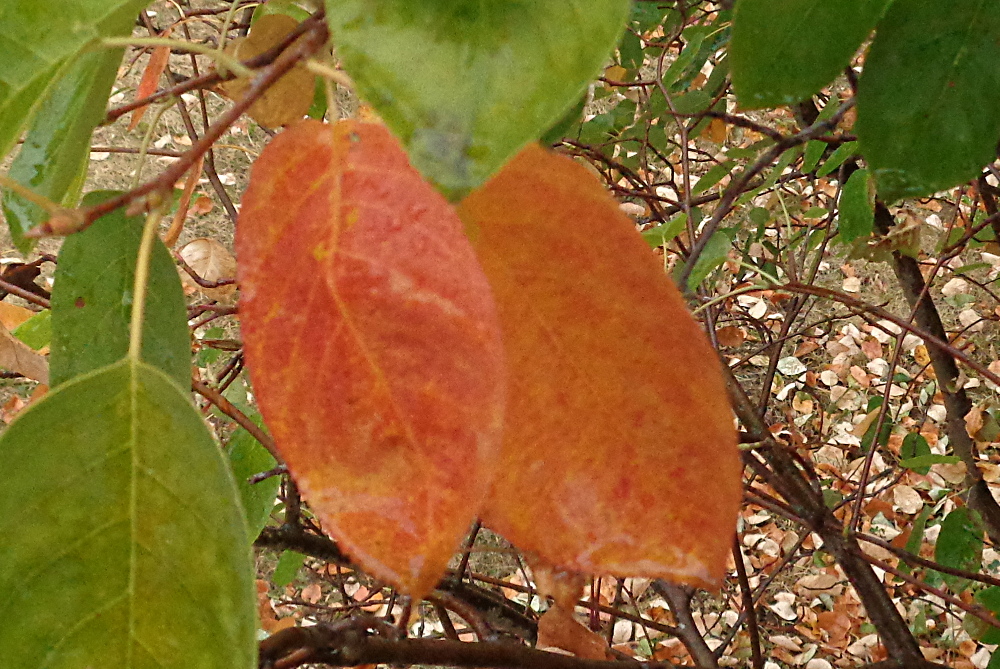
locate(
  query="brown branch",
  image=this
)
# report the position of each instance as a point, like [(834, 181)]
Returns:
[(910, 558), (943, 357), (679, 598), (785, 475), (25, 294), (79, 219), (241, 419), (344, 644), (971, 609), (738, 185)]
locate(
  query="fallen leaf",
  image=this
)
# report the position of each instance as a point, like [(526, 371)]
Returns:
[(952, 473), (974, 420), (617, 422), (16, 356), (373, 345), (907, 499), (12, 315), (312, 593), (201, 205), (211, 261)]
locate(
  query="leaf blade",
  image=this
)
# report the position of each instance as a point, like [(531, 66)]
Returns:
[(777, 57), (928, 116), (92, 301), (32, 54), (158, 558), (464, 84), (56, 149), (609, 377), (400, 345)]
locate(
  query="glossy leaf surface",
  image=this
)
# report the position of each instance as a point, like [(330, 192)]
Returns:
[(92, 302), (465, 84), (136, 555), (928, 112), (373, 346), (32, 53), (53, 159), (784, 51), (619, 448)]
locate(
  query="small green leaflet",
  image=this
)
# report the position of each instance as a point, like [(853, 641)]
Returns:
[(289, 563), (714, 254), (922, 461), (663, 234), (914, 447), (136, 554), (857, 213), (36, 332)]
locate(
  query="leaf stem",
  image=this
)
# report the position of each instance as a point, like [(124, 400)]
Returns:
[(222, 59), (141, 280), (52, 208)]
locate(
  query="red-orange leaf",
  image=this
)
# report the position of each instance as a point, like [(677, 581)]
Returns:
[(620, 452), (373, 344), (150, 80)]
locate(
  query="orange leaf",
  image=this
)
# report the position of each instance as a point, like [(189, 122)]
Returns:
[(557, 628), (373, 345), (150, 81), (619, 452)]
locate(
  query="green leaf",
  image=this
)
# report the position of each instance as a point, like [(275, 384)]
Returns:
[(916, 446), (465, 84), (928, 109), (289, 563), (916, 538), (630, 51), (92, 302), (713, 176), (563, 126), (56, 149), (136, 552), (990, 598), (837, 158), (36, 332), (783, 51), (921, 462), (663, 234), (857, 213), (715, 253), (247, 457), (959, 545), (695, 36), (33, 51)]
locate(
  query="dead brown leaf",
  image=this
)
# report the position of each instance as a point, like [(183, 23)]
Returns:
[(211, 261), (16, 356)]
